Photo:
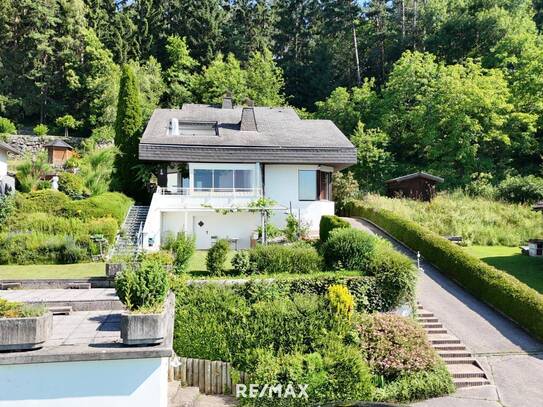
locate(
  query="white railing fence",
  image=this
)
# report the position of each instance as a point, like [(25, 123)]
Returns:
[(210, 192)]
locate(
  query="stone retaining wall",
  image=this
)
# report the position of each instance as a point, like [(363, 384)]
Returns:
[(30, 144)]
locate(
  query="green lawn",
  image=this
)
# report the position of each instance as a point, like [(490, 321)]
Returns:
[(52, 271), (527, 269)]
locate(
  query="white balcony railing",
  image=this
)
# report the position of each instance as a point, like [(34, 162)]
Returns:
[(211, 192)]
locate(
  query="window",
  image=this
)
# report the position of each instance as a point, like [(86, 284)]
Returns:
[(307, 185), (325, 185), (223, 180), (203, 180), (243, 180)]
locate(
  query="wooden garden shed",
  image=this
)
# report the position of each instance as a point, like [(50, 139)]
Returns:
[(419, 185), (58, 152)]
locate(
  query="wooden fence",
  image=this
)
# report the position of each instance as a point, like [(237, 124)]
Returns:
[(210, 376)]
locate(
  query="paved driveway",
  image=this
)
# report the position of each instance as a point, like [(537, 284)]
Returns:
[(512, 359)]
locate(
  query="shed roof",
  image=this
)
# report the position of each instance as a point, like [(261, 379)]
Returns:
[(7, 147), (281, 137), (419, 174), (59, 144)]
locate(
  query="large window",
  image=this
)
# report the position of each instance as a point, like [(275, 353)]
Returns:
[(223, 180), (203, 180), (307, 185)]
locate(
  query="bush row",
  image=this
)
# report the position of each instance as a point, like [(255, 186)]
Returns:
[(497, 288), (329, 223)]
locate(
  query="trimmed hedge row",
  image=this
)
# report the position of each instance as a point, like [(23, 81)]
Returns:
[(497, 288), (329, 223)]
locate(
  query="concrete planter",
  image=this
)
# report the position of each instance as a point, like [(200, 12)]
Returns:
[(17, 334), (113, 268), (147, 329)]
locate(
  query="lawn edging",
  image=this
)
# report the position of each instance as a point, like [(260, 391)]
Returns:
[(500, 290)]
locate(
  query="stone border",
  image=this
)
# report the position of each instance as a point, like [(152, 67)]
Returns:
[(95, 282), (18, 334)]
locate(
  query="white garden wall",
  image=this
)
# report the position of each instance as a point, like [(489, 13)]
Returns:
[(3, 163), (107, 383)]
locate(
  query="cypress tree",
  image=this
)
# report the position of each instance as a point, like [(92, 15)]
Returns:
[(127, 135)]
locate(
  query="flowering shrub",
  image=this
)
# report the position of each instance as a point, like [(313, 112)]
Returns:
[(395, 345)]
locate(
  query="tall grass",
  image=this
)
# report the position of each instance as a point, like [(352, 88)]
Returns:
[(478, 221)]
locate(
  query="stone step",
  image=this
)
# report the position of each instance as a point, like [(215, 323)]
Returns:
[(466, 371), (79, 286), (449, 347), (424, 314), (63, 310), (432, 325), (427, 320), (470, 382), (443, 339), (435, 331), (448, 354), (182, 396), (459, 361), (216, 401)]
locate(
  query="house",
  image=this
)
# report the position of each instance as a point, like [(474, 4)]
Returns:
[(58, 152), (419, 185), (7, 183), (219, 161)]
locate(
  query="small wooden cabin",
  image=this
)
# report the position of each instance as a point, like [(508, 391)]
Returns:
[(58, 152), (419, 185)]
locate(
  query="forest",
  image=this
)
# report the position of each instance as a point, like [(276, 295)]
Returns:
[(454, 87)]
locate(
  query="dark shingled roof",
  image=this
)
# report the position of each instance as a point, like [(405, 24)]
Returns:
[(282, 137), (419, 174), (58, 143), (7, 147)]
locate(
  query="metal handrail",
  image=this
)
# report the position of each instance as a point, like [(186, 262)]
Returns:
[(209, 191), (140, 237)]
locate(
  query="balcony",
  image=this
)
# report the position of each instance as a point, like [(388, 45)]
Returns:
[(175, 198)]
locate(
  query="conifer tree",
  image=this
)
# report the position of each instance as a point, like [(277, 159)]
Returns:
[(127, 134)]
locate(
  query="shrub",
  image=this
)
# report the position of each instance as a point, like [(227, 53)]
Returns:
[(71, 184), (521, 189), (395, 345), (217, 256), (70, 253), (329, 223), (182, 246), (7, 206), (341, 301), (142, 286), (241, 263), (421, 385), (164, 257), (9, 309), (272, 231), (112, 204), (273, 259), (7, 126), (350, 249), (497, 288), (40, 130), (48, 201)]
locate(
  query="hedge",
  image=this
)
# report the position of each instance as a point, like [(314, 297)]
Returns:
[(500, 290), (329, 223)]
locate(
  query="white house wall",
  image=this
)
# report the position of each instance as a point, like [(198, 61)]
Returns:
[(281, 185), (239, 225), (107, 383), (3, 163)]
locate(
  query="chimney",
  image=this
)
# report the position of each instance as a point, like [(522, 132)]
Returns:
[(227, 101), (248, 120), (174, 127)]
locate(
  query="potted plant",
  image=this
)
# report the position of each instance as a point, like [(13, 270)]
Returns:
[(23, 327), (144, 289)]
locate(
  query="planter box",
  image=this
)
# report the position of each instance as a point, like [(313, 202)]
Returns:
[(147, 329), (113, 268), (18, 334)]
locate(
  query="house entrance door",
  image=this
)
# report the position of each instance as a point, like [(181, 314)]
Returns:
[(201, 232)]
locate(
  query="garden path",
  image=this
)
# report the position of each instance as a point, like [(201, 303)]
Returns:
[(512, 359)]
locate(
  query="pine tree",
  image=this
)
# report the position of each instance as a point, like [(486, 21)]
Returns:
[(127, 134)]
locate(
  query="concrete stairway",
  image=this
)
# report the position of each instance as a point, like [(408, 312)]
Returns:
[(191, 397), (127, 243), (465, 370)]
